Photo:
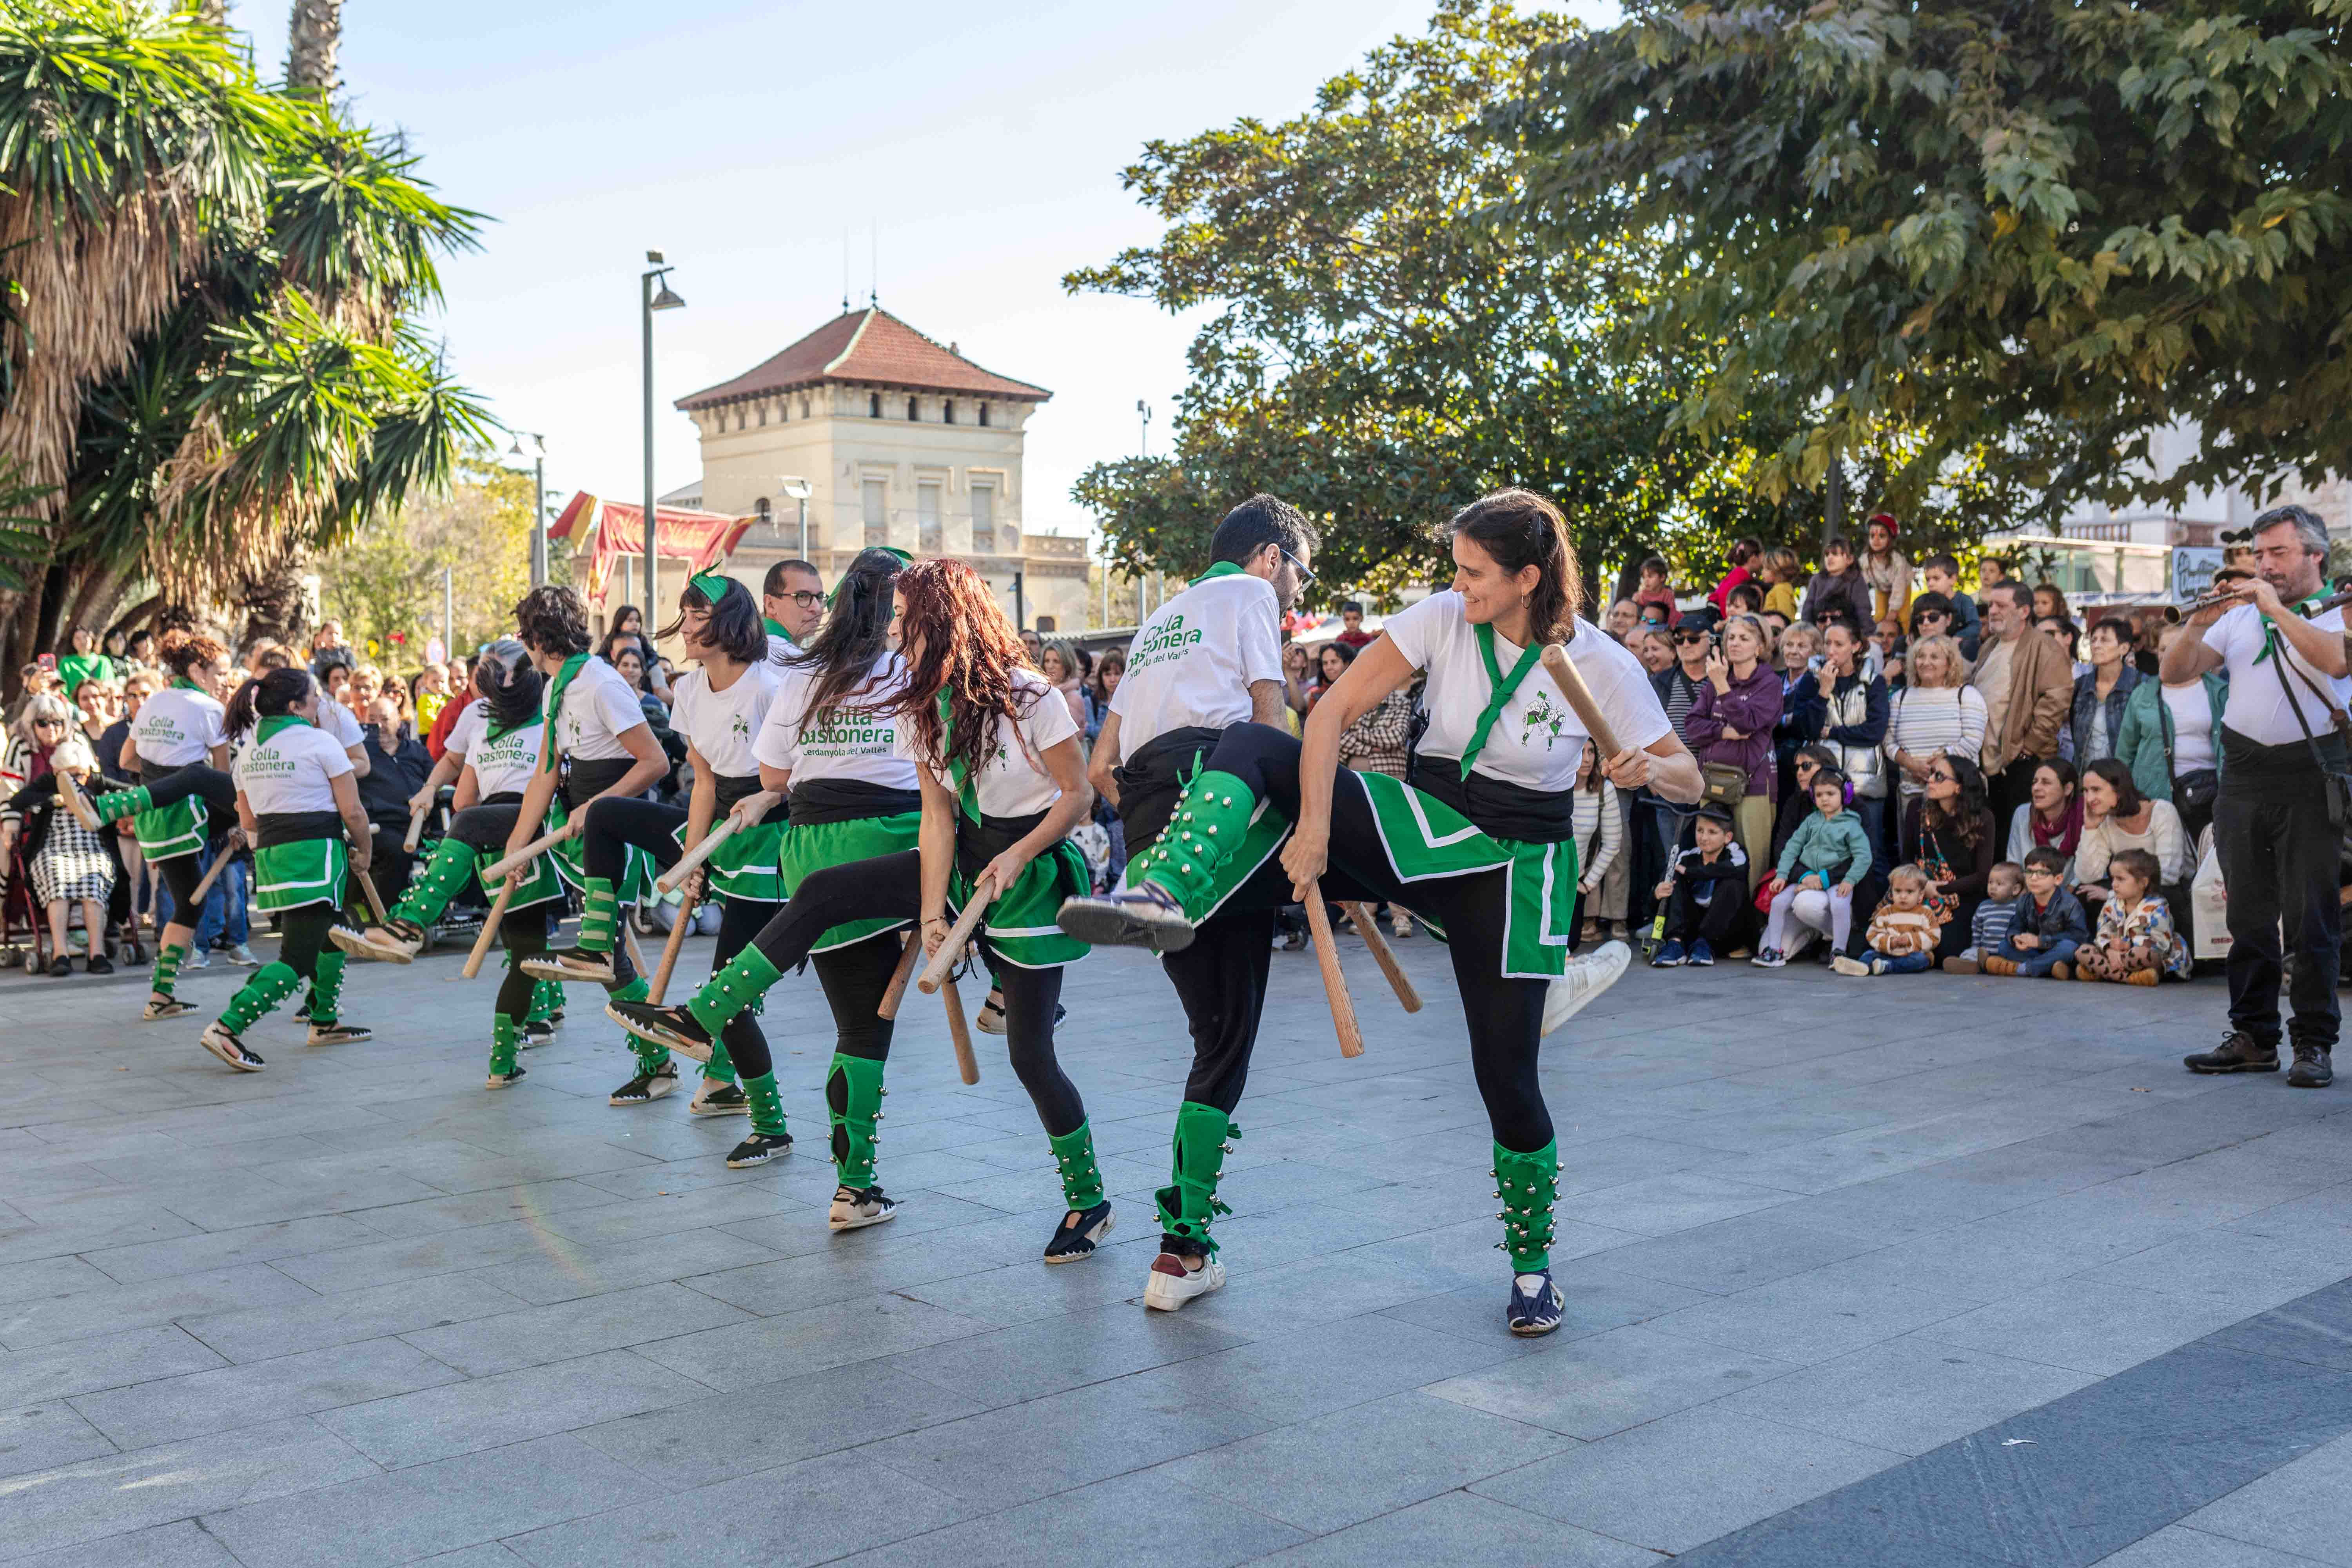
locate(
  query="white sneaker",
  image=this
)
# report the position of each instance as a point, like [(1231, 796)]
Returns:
[(1171, 1284), (854, 1207), (1586, 978), (197, 959), (241, 955)]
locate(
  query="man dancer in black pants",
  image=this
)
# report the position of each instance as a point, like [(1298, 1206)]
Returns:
[(2274, 828), (1209, 658)]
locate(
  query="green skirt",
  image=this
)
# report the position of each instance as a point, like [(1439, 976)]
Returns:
[(1425, 838), (639, 868), (540, 886), (168, 832), (806, 848), (1020, 925), (307, 872), (749, 866)]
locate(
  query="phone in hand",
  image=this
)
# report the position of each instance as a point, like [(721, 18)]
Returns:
[(48, 661)]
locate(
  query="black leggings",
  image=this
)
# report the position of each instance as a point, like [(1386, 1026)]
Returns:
[(1505, 1017), (521, 932), (302, 937), (181, 873), (892, 886)]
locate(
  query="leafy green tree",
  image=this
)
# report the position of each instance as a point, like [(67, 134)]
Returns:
[(384, 583), (2030, 236), (1379, 355)]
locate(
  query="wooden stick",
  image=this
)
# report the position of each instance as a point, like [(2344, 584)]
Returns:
[(670, 951), (936, 971), (490, 927), (900, 977), (505, 868), (374, 900), (230, 845), (691, 861), (417, 816), (1368, 927), (1335, 984), (70, 794), (960, 1032), (1563, 673)]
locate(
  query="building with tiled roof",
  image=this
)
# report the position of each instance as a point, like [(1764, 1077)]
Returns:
[(901, 441)]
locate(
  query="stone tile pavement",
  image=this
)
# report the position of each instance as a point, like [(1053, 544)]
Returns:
[(1825, 1244)]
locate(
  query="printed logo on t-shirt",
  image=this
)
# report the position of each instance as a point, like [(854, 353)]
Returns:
[(1541, 719), (262, 760), (847, 732), (1170, 641), (740, 728)]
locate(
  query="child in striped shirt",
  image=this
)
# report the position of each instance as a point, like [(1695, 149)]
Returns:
[(1993, 919)]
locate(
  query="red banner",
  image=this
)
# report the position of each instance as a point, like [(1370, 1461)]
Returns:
[(700, 539)]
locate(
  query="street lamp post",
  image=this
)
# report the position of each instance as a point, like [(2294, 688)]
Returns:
[(537, 502), (656, 274), (798, 488)]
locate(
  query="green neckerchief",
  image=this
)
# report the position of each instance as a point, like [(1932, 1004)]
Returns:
[(185, 684), (2270, 631), (1503, 686), (776, 630), (272, 725), (555, 690), (1222, 569), (967, 794)]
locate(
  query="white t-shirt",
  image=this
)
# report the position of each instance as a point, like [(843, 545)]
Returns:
[(291, 771), (340, 724), (781, 647), (1538, 739), (1009, 783), (2192, 727), (721, 724), (1193, 662), (503, 766), (178, 726), (2257, 707), (598, 710), (855, 740)]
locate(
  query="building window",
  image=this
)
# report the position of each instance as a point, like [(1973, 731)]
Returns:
[(947, 412), (763, 413), (767, 513), (983, 416), (911, 415), (877, 512), (983, 520), (874, 404), (1044, 623), (804, 409), (927, 519)]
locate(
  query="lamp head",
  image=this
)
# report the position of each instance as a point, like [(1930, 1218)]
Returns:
[(797, 488), (667, 300)]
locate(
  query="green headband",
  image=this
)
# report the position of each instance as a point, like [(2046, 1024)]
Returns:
[(713, 586)]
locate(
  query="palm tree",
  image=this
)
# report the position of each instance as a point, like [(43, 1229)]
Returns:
[(313, 35)]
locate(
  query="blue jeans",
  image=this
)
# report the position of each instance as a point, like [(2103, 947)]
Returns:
[(2036, 962), (1908, 964)]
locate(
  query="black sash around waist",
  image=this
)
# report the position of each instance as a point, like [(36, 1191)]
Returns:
[(294, 826), (849, 800), (1152, 781), (1499, 810), (734, 788), (2251, 759), (504, 797), (587, 780), (978, 843)]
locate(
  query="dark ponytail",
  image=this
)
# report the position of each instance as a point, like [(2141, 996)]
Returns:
[(855, 633), (270, 697), (508, 683), (1521, 529)]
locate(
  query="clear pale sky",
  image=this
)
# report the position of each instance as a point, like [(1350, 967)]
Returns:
[(978, 144)]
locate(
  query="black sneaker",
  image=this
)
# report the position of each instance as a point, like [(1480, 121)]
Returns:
[(60, 966), (504, 1080), (99, 964), (1142, 916), (554, 1020), (646, 1087), (162, 1007), (757, 1150), (535, 1034), (2313, 1067), (1536, 1306), (302, 1014), (2239, 1053), (672, 1026), (1080, 1230)]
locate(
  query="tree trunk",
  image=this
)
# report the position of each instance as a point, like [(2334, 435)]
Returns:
[(312, 37), (274, 603), (213, 11)]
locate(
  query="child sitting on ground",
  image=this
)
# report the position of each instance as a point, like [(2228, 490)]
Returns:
[(2136, 942), (1993, 917), (2050, 926), (1902, 931), (1705, 894), (1829, 852)]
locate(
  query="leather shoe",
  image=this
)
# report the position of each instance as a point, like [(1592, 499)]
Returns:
[(2240, 1053), (2311, 1069)]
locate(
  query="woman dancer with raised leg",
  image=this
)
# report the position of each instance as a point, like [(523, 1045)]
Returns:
[(1002, 786)]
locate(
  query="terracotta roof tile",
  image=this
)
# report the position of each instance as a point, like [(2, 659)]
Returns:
[(870, 346)]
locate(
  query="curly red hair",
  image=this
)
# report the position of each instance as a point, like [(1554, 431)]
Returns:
[(970, 649)]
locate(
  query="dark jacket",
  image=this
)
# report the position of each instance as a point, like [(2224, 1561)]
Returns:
[(1850, 592), (2064, 920), (1726, 875), (1862, 705), (2146, 735), (1752, 707), (394, 774), (1971, 868), (2086, 701)]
